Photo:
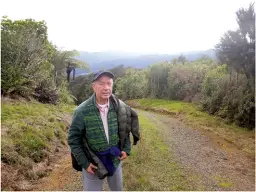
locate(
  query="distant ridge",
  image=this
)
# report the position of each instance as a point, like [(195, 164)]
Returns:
[(108, 60)]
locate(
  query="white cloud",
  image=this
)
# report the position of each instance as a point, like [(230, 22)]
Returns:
[(142, 26)]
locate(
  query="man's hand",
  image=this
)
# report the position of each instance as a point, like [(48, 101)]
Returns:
[(124, 155), (91, 169)]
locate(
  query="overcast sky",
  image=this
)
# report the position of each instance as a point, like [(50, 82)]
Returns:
[(160, 26)]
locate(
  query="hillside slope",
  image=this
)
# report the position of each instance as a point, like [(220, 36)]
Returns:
[(32, 135)]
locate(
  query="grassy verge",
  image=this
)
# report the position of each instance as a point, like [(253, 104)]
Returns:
[(151, 165), (243, 138), (30, 133)]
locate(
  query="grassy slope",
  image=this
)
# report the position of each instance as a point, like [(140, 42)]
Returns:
[(30, 132), (193, 117)]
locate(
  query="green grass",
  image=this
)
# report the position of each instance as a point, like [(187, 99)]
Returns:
[(190, 114), (190, 110), (178, 107), (30, 132), (151, 165), (172, 106), (223, 182)]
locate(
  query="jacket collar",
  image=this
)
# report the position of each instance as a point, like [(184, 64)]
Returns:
[(111, 101)]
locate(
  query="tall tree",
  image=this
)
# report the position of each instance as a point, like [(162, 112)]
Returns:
[(237, 48), (181, 59)]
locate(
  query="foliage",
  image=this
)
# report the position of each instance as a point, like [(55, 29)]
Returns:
[(31, 65), (185, 81), (65, 95), (181, 59), (46, 92), (81, 88), (61, 60), (132, 85), (157, 76), (25, 55), (235, 97), (119, 72), (231, 99), (237, 48), (214, 89)]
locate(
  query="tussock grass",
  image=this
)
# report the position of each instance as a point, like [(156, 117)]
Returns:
[(191, 115), (151, 165), (30, 133)]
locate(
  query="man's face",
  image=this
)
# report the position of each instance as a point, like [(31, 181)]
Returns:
[(103, 87)]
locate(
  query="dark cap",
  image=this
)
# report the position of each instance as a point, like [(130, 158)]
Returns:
[(97, 75)]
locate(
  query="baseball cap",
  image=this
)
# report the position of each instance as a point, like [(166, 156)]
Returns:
[(101, 73)]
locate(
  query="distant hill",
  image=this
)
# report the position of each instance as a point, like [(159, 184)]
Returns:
[(108, 60), (97, 57)]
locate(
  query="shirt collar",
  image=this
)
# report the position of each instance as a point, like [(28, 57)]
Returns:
[(103, 106)]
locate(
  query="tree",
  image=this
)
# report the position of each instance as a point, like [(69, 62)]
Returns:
[(25, 55), (237, 48), (157, 80), (181, 59), (30, 62), (64, 63), (118, 71), (132, 85), (174, 61)]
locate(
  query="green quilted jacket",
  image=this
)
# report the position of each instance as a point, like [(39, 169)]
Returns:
[(87, 125)]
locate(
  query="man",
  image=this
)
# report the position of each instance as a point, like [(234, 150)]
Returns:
[(96, 121)]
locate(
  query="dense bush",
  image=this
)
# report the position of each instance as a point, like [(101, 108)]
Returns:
[(132, 85), (25, 53), (31, 65), (185, 81), (46, 92), (230, 97), (81, 88)]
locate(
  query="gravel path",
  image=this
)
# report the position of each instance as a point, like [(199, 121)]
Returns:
[(200, 155)]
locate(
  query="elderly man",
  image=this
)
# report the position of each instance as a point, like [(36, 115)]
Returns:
[(101, 123)]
